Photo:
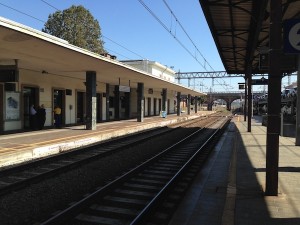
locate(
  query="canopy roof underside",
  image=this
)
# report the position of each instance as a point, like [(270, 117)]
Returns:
[(240, 29)]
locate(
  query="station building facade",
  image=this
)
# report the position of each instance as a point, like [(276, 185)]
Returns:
[(39, 69), (37, 88), (154, 68)]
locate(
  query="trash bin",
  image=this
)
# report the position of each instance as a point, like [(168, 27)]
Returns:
[(163, 114)]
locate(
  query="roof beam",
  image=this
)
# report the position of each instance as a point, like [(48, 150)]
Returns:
[(258, 14)]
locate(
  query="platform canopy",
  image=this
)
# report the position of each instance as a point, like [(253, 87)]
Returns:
[(240, 29), (37, 51)]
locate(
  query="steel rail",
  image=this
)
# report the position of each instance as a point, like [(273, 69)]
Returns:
[(68, 214), (144, 214), (20, 176)]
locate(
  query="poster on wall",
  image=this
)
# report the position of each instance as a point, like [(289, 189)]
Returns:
[(12, 105)]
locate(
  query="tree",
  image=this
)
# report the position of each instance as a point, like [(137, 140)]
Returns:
[(202, 99), (77, 26)]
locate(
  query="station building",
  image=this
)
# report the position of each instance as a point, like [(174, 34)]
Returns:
[(154, 68), (37, 68)]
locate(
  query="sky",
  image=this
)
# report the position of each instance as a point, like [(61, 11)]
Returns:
[(173, 33)]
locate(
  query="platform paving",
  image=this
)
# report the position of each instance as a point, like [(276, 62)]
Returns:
[(21, 147), (230, 189)]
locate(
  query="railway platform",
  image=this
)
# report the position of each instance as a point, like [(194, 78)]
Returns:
[(230, 189), (21, 147)]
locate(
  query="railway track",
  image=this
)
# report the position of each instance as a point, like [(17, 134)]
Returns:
[(149, 193), (21, 176)]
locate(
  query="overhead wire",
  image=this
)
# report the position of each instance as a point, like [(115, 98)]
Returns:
[(42, 21), (175, 37), (104, 37), (177, 20), (117, 53), (169, 31), (50, 5), (196, 48), (21, 12), (152, 13), (123, 47)]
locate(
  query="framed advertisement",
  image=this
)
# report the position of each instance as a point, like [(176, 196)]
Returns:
[(12, 105)]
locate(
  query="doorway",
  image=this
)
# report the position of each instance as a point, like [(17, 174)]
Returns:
[(155, 107), (59, 99), (159, 105), (149, 106), (2, 107), (80, 107), (30, 97)]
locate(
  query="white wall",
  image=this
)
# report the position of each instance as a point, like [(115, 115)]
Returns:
[(12, 125), (47, 82), (153, 68)]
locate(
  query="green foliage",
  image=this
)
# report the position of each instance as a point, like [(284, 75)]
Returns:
[(76, 25), (202, 99)]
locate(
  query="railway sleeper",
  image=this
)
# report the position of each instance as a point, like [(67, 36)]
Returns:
[(162, 167), (142, 186), (147, 181), (109, 212), (96, 220), (118, 210), (176, 158), (124, 202), (133, 194), (164, 172), (168, 162), (154, 176)]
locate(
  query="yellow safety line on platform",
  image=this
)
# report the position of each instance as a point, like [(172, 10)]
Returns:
[(70, 137), (229, 208)]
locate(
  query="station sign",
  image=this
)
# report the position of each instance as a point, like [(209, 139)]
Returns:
[(288, 61), (124, 88), (262, 81), (241, 86), (292, 36), (264, 61), (9, 74)]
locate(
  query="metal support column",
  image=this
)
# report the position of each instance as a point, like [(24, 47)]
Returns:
[(245, 100), (189, 104), (91, 100), (298, 106), (196, 104), (274, 96), (140, 102), (164, 100), (228, 105), (178, 103), (117, 102), (249, 80), (107, 102)]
